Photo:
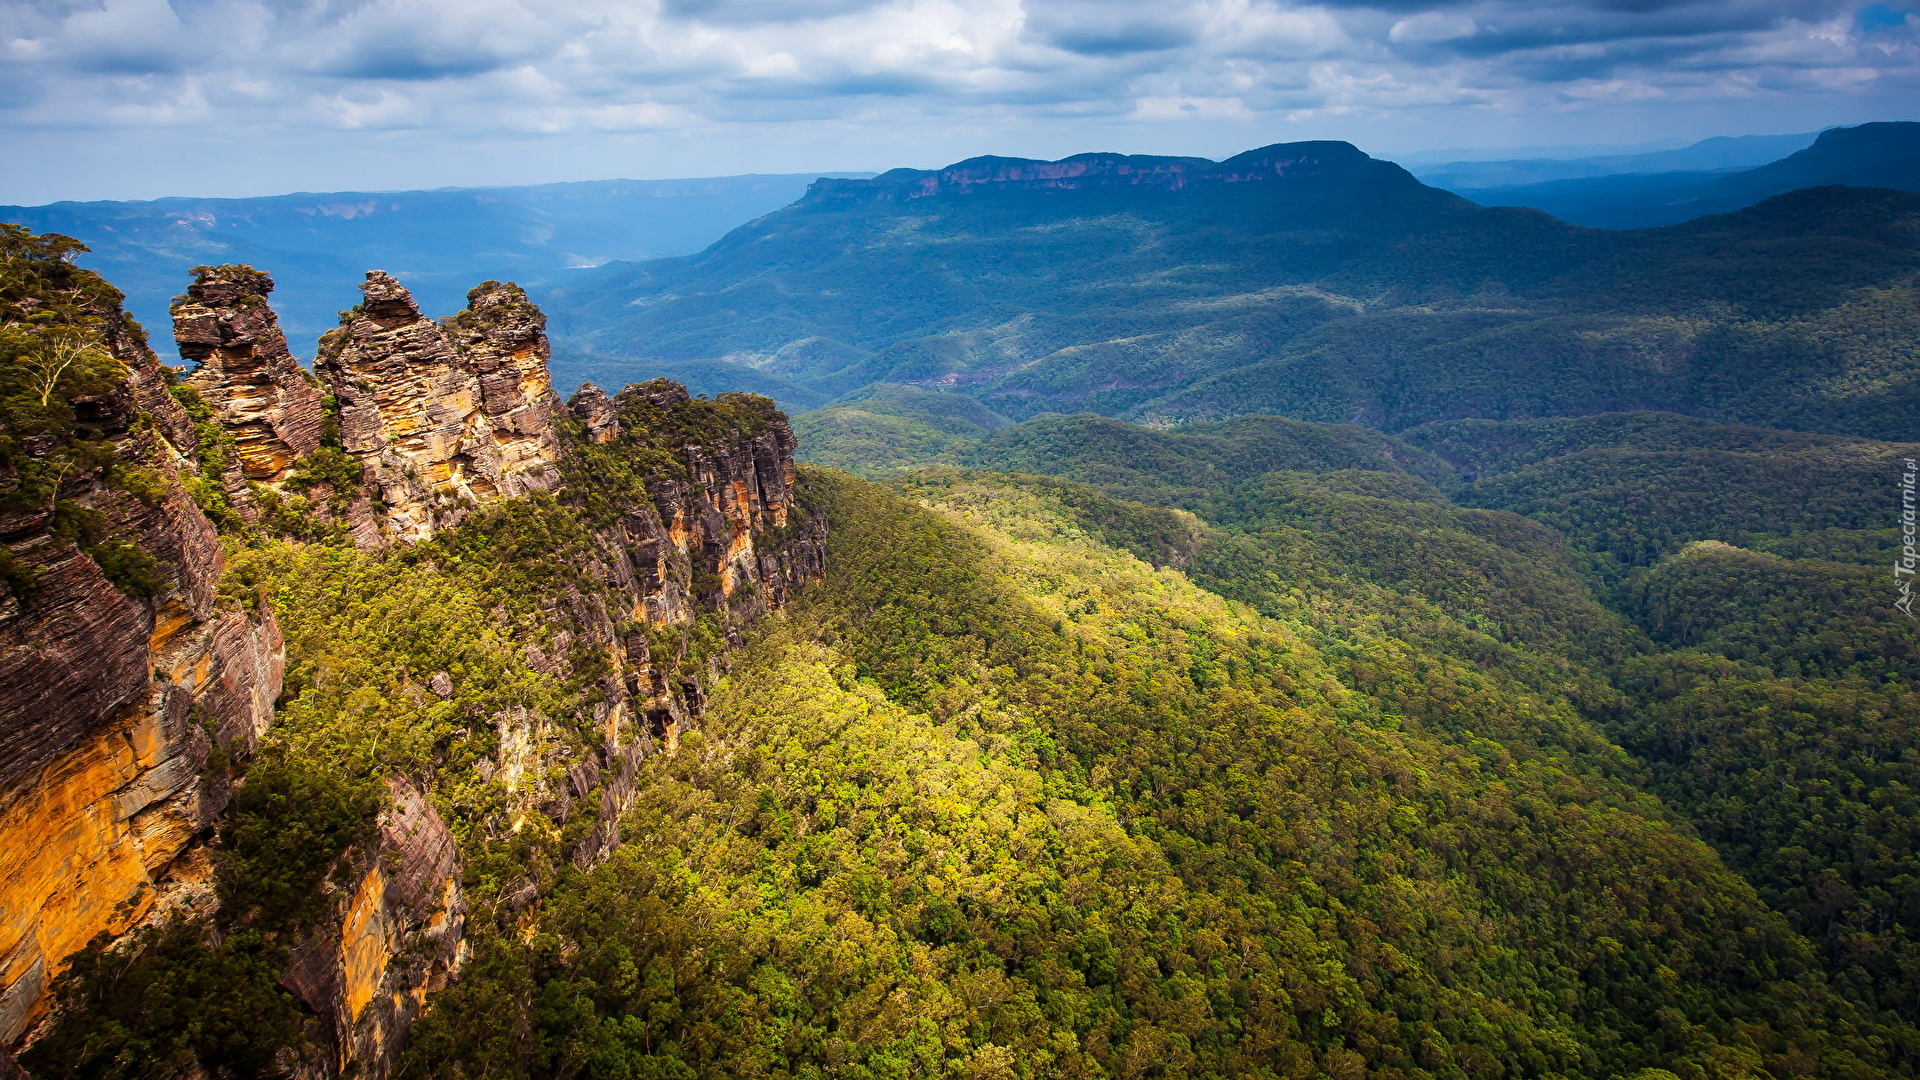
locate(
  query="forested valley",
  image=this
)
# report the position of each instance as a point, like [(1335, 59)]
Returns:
[(650, 736)]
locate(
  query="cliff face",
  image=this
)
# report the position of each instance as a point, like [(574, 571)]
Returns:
[(726, 521), (713, 541), (442, 417), (112, 703), (113, 693), (393, 937)]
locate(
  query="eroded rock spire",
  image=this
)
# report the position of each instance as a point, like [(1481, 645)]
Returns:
[(439, 416), (257, 389), (443, 415)]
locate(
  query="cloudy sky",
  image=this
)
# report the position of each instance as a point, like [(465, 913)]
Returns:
[(142, 98)]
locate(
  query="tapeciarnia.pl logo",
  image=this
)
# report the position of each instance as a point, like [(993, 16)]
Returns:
[(1903, 567)]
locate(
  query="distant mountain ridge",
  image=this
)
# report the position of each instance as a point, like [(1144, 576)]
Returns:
[(1294, 161), (318, 245), (1336, 288), (1721, 152), (1885, 155)]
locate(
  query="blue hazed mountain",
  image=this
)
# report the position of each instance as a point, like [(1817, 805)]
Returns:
[(319, 246), (1885, 155), (1305, 279), (1719, 153)]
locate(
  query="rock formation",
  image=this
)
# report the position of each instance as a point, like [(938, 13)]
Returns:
[(255, 386), (392, 937), (112, 698), (714, 523), (115, 694), (595, 410), (443, 416)]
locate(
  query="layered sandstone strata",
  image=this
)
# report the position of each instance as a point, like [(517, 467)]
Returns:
[(725, 539), (258, 391), (111, 702), (111, 706), (443, 416), (392, 936)]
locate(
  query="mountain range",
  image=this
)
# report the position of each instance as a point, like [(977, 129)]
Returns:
[(1305, 279), (440, 242), (546, 236), (1654, 192), (1264, 618), (1719, 153)]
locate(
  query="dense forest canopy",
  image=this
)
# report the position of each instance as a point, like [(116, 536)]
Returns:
[(1002, 799), (1483, 664), (1717, 599)]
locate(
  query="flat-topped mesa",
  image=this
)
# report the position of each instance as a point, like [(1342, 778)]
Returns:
[(1336, 162), (443, 415), (256, 388)]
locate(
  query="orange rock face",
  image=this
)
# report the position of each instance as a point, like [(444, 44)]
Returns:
[(390, 939), (110, 703)]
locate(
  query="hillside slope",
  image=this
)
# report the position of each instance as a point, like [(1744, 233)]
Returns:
[(1724, 594), (1003, 798)]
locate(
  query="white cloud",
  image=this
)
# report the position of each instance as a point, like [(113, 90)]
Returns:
[(1433, 26), (478, 70), (1183, 108)]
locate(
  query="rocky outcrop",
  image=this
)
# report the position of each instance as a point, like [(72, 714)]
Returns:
[(723, 539), (122, 703), (443, 416), (257, 390), (392, 936), (596, 413), (114, 689), (734, 490)]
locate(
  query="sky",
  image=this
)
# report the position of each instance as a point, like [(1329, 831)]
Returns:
[(133, 99)]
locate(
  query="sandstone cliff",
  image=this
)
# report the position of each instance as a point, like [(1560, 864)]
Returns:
[(128, 710), (120, 672), (706, 544), (393, 937), (724, 520)]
